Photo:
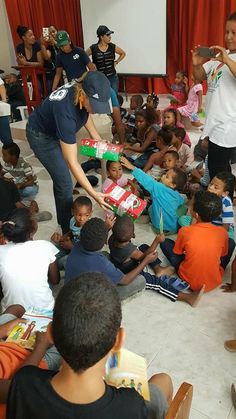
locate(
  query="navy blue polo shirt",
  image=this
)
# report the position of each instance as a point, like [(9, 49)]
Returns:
[(81, 260), (20, 49), (74, 63), (58, 116)]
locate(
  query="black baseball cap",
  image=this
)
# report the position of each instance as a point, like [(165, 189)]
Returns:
[(103, 30), (98, 89)]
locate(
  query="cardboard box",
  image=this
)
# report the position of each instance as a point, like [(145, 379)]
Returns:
[(101, 149), (125, 202)]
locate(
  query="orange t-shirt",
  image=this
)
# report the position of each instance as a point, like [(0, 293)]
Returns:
[(12, 357), (203, 244)]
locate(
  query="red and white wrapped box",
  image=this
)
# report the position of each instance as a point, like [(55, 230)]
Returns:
[(124, 202)]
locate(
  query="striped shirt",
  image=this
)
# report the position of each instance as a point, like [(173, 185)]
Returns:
[(20, 172), (104, 60), (227, 215)]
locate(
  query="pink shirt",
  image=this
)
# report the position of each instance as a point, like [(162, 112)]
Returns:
[(120, 182), (192, 101)]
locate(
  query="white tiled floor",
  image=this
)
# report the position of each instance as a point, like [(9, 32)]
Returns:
[(184, 342)]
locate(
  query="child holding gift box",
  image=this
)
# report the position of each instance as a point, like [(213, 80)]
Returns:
[(116, 175), (165, 195)]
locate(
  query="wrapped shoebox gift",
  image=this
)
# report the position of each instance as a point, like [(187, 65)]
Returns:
[(124, 202), (101, 149)]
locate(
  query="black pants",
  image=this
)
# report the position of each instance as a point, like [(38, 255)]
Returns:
[(219, 158)]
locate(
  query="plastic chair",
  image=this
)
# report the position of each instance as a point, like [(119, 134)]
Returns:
[(181, 404)]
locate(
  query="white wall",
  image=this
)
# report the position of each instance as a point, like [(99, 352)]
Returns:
[(7, 53), (139, 29)]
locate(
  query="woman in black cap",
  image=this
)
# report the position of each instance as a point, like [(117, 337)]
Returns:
[(51, 132), (104, 55)]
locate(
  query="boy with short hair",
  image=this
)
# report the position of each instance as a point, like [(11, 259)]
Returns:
[(86, 256), (86, 328), (166, 198), (20, 170), (193, 261), (136, 102)]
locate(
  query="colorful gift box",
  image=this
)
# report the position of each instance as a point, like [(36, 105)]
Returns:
[(124, 202), (101, 149)]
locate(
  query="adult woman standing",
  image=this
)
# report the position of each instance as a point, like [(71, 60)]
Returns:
[(51, 132), (50, 51), (72, 59), (104, 55), (220, 124), (29, 51)]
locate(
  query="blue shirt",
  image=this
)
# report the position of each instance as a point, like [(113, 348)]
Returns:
[(74, 63), (58, 116), (81, 260), (163, 198), (75, 230)]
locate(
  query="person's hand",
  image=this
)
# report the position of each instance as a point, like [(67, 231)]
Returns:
[(195, 173), (21, 59), (110, 221), (150, 257), (161, 237), (126, 146), (100, 198), (222, 55), (126, 163), (6, 328), (196, 59), (41, 339), (228, 287)]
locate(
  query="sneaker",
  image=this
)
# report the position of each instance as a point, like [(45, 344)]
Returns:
[(43, 216)]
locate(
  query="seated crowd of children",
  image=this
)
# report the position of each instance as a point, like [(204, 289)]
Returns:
[(181, 200)]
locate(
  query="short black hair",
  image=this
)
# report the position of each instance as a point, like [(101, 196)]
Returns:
[(19, 226), (179, 179), (173, 153), (123, 229), (138, 99), (166, 134), (179, 132), (94, 234), (120, 99), (21, 30), (13, 149), (207, 205), (228, 180), (232, 16), (81, 201), (109, 163), (86, 319)]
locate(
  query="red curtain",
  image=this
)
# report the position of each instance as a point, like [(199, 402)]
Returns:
[(36, 14), (189, 22)]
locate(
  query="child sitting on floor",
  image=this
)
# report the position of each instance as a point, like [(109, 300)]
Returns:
[(152, 103), (145, 121), (194, 262), (21, 171), (86, 329), (165, 195), (116, 175), (82, 209), (13, 356), (26, 266), (170, 120), (163, 142), (136, 102), (194, 104), (170, 161), (87, 256), (185, 153), (222, 185)]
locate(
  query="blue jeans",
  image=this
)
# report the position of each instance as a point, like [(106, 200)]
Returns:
[(5, 132), (47, 149), (29, 192), (114, 82)]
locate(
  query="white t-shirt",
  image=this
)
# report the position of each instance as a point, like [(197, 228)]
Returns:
[(220, 124), (24, 274)]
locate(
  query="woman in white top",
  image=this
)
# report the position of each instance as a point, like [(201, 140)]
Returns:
[(220, 124), (26, 266)]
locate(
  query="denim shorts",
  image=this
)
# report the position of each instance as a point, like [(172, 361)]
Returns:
[(157, 406)]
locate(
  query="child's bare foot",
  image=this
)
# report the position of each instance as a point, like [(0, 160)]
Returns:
[(193, 298), (34, 206), (159, 270)]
